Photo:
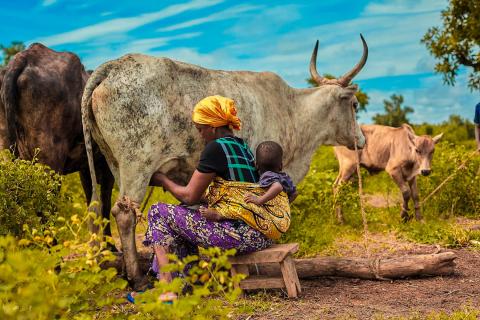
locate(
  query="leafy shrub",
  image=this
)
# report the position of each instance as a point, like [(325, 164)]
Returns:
[(29, 194), (43, 280), (461, 194), (213, 290)]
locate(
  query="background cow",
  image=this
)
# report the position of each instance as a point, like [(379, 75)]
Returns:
[(41, 94), (396, 150), (139, 108)]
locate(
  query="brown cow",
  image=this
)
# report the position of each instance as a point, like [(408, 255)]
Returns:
[(398, 151), (41, 94)]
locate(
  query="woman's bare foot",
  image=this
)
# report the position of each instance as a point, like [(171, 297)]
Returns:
[(167, 297)]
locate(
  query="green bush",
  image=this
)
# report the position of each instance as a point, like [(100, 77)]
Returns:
[(56, 274), (212, 295), (29, 194), (459, 196)]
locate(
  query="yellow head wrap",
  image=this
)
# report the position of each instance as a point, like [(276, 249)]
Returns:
[(216, 111)]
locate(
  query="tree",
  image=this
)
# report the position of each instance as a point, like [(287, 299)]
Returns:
[(9, 52), (458, 42), (362, 97), (395, 115)]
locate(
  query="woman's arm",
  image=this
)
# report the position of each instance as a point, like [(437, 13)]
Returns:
[(271, 193), (189, 194)]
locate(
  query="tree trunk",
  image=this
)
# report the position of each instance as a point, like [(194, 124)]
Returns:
[(437, 264)]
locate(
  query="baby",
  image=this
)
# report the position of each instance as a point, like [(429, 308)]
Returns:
[(268, 161)]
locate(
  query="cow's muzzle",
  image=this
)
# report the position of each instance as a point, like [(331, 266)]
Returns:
[(425, 172)]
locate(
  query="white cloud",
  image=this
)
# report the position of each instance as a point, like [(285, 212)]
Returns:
[(120, 25), (47, 3), (145, 46), (395, 7), (433, 101), (218, 16)]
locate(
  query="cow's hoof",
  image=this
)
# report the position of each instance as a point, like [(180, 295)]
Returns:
[(406, 217)]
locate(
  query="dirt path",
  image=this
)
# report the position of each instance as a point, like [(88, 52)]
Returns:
[(332, 298)]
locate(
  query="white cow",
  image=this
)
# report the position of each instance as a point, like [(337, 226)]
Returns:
[(138, 109)]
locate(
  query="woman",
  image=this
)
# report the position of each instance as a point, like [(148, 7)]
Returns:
[(180, 230)]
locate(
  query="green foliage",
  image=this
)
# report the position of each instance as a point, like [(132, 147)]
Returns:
[(362, 96), (455, 130), (395, 115), (461, 194), (457, 42), (9, 52), (213, 289), (56, 274), (29, 194)]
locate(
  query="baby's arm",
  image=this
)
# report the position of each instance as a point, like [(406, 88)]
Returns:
[(271, 193)]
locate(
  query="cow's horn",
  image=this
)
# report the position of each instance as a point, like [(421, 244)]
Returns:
[(347, 77), (313, 66)]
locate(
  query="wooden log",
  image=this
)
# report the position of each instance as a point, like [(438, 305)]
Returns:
[(438, 264)]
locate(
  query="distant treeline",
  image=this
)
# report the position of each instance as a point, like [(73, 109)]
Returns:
[(456, 129)]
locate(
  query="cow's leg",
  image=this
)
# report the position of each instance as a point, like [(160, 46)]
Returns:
[(405, 189), (86, 181), (344, 174), (106, 181), (125, 210), (416, 199)]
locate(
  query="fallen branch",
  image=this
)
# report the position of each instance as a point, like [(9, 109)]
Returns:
[(436, 264)]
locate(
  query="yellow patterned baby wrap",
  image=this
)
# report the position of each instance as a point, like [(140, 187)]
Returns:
[(227, 198)]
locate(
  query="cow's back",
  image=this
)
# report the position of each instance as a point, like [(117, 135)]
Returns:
[(143, 108), (383, 145)]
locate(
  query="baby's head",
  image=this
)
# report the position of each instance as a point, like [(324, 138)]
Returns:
[(269, 156)]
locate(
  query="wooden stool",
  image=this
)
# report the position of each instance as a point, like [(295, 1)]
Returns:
[(278, 253)]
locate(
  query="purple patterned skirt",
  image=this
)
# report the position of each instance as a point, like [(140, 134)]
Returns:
[(183, 230)]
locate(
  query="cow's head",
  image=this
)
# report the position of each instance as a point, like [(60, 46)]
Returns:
[(338, 96), (424, 147)]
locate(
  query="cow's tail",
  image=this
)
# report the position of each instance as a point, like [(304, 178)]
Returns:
[(9, 95), (87, 121)]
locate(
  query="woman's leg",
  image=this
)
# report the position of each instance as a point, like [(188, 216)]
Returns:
[(179, 230), (164, 239), (162, 260)]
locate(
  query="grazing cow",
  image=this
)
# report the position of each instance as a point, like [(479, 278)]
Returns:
[(139, 108), (398, 151), (41, 94)]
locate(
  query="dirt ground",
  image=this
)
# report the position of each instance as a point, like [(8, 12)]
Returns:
[(344, 298), (333, 298)]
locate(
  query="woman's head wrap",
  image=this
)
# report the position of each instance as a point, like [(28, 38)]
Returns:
[(216, 111)]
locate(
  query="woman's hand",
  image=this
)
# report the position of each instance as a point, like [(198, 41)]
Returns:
[(189, 194), (210, 214), (158, 179), (251, 198)]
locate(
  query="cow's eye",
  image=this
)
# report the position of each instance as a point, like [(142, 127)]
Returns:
[(417, 151), (355, 106)]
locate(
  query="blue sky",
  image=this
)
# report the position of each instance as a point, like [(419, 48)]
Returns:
[(266, 35)]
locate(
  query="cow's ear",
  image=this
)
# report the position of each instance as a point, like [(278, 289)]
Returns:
[(411, 136), (437, 138)]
